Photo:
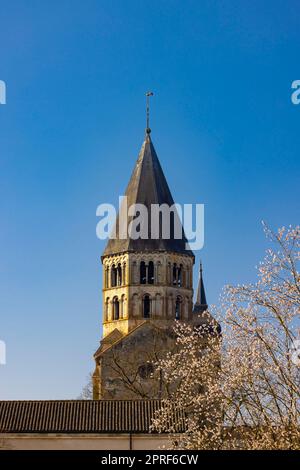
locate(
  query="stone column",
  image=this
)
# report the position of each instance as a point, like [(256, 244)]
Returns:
[(109, 310), (187, 278), (125, 313), (170, 307), (183, 283), (158, 305), (123, 274), (104, 276)]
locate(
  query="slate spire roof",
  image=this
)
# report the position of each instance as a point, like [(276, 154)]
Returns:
[(201, 303), (147, 186)]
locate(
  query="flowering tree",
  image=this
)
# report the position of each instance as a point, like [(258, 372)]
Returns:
[(242, 390)]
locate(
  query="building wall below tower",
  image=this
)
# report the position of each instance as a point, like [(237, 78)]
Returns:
[(127, 369), (81, 441)]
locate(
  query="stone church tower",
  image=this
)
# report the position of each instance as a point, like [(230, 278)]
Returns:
[(147, 284)]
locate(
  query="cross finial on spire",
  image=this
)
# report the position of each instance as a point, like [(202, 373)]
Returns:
[(148, 94)]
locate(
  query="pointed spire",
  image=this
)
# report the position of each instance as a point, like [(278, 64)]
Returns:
[(148, 186), (201, 303)]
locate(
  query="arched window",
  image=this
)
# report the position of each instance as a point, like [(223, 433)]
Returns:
[(134, 273), (113, 276), (143, 276), (116, 309), (151, 273), (119, 274), (146, 306), (179, 276), (178, 308), (174, 275), (145, 371)]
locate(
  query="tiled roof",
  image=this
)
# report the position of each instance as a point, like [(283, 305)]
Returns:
[(81, 416)]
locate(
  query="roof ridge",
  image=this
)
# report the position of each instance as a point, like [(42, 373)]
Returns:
[(71, 400)]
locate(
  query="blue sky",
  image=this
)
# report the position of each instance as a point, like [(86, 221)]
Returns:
[(223, 126)]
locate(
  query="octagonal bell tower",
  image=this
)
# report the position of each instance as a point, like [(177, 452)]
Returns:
[(147, 278)]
